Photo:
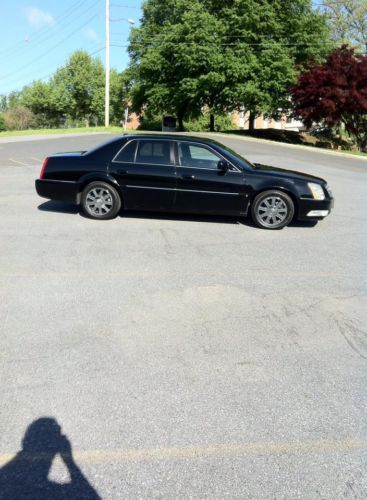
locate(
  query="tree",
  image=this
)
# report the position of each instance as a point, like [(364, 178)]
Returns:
[(335, 93), (348, 21), (221, 54), (79, 88), (39, 98), (119, 96)]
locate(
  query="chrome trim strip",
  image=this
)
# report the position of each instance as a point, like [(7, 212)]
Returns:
[(57, 180), (208, 192), (184, 190), (164, 165), (150, 187)]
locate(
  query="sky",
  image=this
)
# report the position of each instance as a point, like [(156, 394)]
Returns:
[(37, 37)]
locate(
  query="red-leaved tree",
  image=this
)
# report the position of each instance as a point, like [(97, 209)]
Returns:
[(335, 93)]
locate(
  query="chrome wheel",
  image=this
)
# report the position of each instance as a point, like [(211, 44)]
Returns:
[(272, 211), (99, 201)]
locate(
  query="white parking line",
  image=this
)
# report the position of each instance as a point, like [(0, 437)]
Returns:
[(19, 162)]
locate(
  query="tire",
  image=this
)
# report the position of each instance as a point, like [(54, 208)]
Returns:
[(100, 201), (272, 210)]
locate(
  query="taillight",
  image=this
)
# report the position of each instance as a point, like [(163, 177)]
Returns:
[(42, 173)]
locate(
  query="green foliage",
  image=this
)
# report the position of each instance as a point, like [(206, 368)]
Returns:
[(2, 123), (3, 103), (78, 89), (150, 121), (119, 97), (188, 55), (73, 97), (223, 122)]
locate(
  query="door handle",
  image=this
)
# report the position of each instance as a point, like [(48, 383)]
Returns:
[(191, 177), (122, 172)]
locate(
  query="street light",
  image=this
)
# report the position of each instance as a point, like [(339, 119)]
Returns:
[(107, 85)]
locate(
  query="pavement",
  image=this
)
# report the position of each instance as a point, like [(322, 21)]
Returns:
[(182, 357)]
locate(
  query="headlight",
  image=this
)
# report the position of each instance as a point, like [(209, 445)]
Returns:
[(328, 189), (317, 191)]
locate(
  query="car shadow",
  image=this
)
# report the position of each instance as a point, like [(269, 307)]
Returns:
[(216, 219), (26, 476), (303, 223), (60, 207), (72, 209)]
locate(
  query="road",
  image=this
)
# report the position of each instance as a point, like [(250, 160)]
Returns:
[(183, 357)]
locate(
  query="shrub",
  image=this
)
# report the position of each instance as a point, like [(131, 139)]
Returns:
[(2, 123), (19, 118)]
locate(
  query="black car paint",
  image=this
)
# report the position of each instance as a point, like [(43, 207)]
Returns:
[(173, 187)]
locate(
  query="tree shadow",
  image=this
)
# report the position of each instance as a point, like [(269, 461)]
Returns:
[(25, 477)]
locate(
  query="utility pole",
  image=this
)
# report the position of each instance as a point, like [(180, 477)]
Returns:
[(107, 87)]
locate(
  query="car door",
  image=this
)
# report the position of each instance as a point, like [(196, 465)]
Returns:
[(202, 187), (145, 170)]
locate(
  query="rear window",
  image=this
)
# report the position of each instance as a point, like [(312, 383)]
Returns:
[(154, 152), (127, 154)]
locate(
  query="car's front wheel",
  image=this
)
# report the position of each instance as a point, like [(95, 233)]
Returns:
[(272, 210), (100, 200)]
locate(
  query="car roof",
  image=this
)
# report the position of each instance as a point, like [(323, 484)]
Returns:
[(172, 137)]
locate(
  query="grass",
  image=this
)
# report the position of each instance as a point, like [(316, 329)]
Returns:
[(43, 131)]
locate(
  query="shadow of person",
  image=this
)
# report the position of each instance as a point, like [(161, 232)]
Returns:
[(26, 475)]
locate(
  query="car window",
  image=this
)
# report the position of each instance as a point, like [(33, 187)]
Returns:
[(127, 154), (154, 152), (194, 155)]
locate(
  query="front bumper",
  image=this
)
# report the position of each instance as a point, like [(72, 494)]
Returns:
[(58, 190), (310, 209)]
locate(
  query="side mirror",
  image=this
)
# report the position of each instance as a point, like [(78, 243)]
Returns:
[(223, 166)]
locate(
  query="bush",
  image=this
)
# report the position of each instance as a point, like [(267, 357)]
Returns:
[(150, 122), (2, 123), (19, 118), (201, 124)]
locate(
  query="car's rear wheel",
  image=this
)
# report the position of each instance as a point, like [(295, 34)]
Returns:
[(100, 200), (272, 210)]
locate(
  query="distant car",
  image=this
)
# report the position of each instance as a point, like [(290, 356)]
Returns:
[(181, 174)]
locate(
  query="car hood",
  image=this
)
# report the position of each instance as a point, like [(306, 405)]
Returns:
[(280, 172)]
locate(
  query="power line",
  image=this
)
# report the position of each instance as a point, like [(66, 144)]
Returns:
[(50, 50), (44, 39), (125, 6), (43, 34)]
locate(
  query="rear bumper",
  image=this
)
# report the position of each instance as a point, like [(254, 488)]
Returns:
[(314, 209), (58, 190)]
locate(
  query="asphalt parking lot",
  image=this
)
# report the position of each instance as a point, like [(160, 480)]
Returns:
[(183, 357)]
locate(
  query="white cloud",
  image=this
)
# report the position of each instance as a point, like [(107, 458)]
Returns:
[(91, 34), (38, 18)]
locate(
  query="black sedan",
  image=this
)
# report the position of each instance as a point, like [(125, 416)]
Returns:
[(181, 174)]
